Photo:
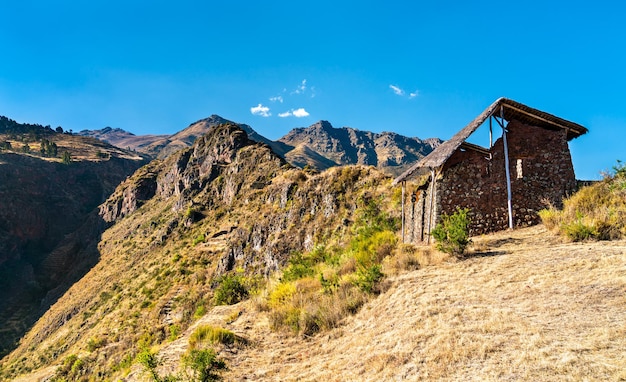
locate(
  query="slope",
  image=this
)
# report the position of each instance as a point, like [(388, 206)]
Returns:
[(225, 203), (44, 200), (524, 306)]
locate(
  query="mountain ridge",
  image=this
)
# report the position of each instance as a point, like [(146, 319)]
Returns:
[(326, 146)]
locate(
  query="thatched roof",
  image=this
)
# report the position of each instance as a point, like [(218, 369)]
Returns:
[(512, 110)]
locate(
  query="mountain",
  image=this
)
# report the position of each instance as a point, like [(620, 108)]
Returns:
[(50, 185), (390, 152), (226, 204), (124, 139), (319, 146), (161, 146)]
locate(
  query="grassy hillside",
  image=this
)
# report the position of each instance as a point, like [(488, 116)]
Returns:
[(596, 212), (161, 265), (523, 306), (319, 287)]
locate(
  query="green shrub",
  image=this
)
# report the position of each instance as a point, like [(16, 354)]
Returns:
[(231, 290), (174, 332), (452, 232), (595, 212), (299, 267), (367, 277), (579, 231), (149, 360), (200, 311), (204, 364), (72, 369), (198, 239), (94, 343)]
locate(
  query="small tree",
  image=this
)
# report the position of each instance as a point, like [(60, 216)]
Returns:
[(452, 232), (231, 290), (205, 365), (67, 157)]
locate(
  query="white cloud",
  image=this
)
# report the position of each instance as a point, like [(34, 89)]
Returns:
[(414, 94), (397, 90), (298, 113), (261, 110), (277, 99), (301, 88)]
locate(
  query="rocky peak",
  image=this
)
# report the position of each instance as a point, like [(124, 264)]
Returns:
[(187, 172)]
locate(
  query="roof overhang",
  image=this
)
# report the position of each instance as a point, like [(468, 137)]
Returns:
[(502, 107)]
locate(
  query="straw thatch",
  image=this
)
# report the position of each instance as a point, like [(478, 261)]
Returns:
[(510, 110)]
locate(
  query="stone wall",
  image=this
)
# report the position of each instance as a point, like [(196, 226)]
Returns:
[(541, 172)]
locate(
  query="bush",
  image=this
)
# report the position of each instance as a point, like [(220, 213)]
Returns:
[(198, 239), (231, 290), (367, 277), (72, 369), (579, 231), (94, 343), (452, 232), (149, 360), (595, 212), (300, 266), (204, 364)]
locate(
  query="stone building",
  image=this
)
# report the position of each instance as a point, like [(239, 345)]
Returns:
[(504, 185)]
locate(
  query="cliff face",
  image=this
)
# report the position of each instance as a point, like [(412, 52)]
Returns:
[(42, 203), (225, 204)]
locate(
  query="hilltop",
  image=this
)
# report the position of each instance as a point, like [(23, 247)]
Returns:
[(319, 146), (390, 152)]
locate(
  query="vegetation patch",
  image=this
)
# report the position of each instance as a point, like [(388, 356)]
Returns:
[(320, 287), (452, 232), (231, 289), (211, 335), (595, 212)]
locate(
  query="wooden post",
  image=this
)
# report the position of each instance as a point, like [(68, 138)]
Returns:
[(403, 186), (432, 201), (490, 133), (507, 170)]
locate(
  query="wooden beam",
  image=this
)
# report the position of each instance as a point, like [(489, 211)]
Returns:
[(403, 187), (535, 116)]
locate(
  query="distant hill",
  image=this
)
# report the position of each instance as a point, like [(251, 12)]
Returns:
[(388, 151), (161, 146), (124, 139), (319, 146), (50, 184)]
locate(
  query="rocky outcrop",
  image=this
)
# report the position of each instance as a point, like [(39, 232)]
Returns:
[(131, 194)]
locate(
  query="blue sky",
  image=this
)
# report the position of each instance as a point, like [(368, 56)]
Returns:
[(418, 68)]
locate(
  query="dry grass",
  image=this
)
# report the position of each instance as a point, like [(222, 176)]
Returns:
[(523, 306)]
